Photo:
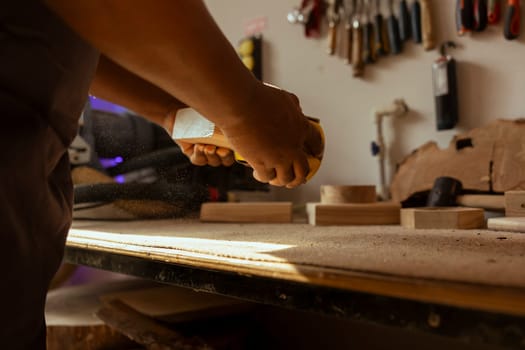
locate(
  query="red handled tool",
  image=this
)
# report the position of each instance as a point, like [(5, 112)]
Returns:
[(480, 15), (494, 11), (511, 27), (464, 16)]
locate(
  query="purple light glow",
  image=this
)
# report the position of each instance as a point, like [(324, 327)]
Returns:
[(120, 179), (110, 162)]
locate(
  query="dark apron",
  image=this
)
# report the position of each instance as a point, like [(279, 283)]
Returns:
[(45, 72)]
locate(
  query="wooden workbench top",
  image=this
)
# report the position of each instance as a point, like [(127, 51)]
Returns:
[(477, 269)]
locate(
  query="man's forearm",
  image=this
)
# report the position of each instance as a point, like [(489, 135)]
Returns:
[(118, 85), (175, 45)]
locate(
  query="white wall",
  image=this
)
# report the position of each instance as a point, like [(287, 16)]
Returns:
[(491, 73)]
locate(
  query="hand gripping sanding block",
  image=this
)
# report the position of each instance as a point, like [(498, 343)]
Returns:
[(191, 126)]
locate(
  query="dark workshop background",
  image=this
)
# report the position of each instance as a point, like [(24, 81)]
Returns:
[(491, 79)]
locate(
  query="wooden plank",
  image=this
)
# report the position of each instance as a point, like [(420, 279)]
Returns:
[(334, 194), (513, 224), (144, 330), (515, 203), (175, 304), (384, 260), (442, 218), (265, 212), (381, 213), (71, 321)]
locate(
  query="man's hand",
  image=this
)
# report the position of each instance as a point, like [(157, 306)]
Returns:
[(273, 135), (200, 154)]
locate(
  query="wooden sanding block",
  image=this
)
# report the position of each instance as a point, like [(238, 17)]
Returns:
[(515, 203), (263, 212), (191, 126), (443, 218), (335, 194), (380, 213)]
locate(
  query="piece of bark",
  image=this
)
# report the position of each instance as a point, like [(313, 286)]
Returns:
[(144, 330), (489, 158)]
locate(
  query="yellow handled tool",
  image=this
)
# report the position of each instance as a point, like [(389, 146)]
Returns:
[(190, 126)]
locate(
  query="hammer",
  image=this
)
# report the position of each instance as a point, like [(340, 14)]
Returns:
[(446, 192)]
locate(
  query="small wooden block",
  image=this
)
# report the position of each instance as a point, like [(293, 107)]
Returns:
[(516, 224), (381, 213), (331, 194), (264, 212), (176, 304), (443, 218), (515, 203)]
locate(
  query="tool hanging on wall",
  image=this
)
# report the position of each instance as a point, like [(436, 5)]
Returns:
[(369, 55), (480, 15), (415, 20), (511, 26), (464, 16), (334, 16), (445, 89), (494, 11), (250, 52), (358, 66), (427, 28), (381, 40), (396, 46), (309, 14), (405, 31), (350, 8)]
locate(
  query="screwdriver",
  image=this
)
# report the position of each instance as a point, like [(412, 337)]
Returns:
[(494, 11), (511, 27), (415, 16), (348, 29), (480, 15), (333, 21), (393, 31), (404, 21), (379, 30), (358, 67), (464, 16), (427, 29), (368, 36)]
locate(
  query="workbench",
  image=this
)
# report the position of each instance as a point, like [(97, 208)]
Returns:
[(464, 284)]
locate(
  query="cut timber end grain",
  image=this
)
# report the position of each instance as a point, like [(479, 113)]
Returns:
[(381, 213), (262, 212), (443, 218), (515, 203)]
